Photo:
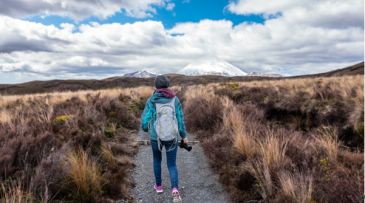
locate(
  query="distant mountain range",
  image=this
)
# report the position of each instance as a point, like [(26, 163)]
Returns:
[(129, 80), (140, 74), (221, 68), (215, 67)]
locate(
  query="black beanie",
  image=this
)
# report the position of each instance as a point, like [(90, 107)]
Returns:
[(162, 81)]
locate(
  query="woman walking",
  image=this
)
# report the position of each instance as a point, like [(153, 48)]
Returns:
[(163, 118)]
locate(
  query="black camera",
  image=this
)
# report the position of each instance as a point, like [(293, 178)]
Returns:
[(185, 146)]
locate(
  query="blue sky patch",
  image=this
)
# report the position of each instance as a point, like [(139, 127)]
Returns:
[(184, 11)]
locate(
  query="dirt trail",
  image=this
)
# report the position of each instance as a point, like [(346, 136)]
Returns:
[(197, 182)]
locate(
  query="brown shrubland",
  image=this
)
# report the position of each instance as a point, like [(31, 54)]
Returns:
[(59, 146), (289, 140), (294, 140)]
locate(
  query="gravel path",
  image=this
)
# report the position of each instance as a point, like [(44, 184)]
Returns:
[(196, 181)]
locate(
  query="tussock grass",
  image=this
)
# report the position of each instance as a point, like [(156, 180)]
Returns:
[(272, 150), (14, 193), (292, 139), (243, 136), (327, 140), (85, 174), (297, 187), (45, 137), (245, 144), (59, 97), (5, 116), (260, 170), (107, 155)]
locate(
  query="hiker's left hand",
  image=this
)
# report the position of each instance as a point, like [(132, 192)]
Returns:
[(185, 140)]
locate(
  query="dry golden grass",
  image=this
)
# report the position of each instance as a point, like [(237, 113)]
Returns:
[(228, 118), (245, 131), (245, 145), (328, 141), (107, 155), (266, 150), (282, 168), (260, 170), (272, 150), (15, 194), (243, 136), (5, 117), (298, 187), (135, 93), (199, 91), (59, 97), (85, 174), (348, 86)]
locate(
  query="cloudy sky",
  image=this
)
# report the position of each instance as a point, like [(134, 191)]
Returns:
[(48, 39)]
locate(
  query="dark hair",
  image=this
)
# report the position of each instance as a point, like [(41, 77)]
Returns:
[(162, 81)]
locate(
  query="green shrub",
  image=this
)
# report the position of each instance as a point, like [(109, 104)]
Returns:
[(110, 131), (62, 119), (233, 86), (360, 129)]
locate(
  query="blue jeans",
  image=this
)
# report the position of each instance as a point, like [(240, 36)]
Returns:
[(171, 164)]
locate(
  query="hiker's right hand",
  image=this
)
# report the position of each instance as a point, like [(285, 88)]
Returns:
[(185, 140)]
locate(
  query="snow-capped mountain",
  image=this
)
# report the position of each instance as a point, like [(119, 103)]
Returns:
[(140, 74), (222, 68)]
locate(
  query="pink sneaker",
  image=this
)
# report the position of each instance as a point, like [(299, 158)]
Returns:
[(176, 195), (158, 188)]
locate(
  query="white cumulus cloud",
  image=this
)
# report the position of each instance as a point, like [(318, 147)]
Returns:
[(303, 39), (81, 9)]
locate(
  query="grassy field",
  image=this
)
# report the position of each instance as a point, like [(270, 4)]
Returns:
[(291, 140), (298, 140), (69, 147)]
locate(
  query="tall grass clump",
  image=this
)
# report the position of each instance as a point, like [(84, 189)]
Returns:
[(260, 170), (108, 156), (328, 141), (296, 187), (243, 136), (14, 193), (5, 117), (272, 150), (85, 174)]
